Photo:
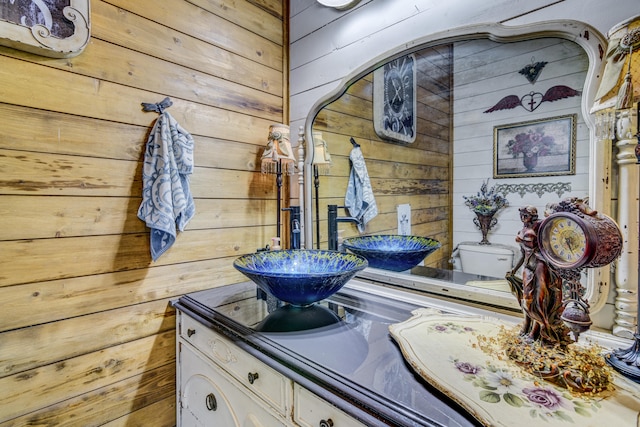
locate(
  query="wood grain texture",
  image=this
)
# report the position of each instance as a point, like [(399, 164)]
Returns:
[(87, 337), (226, 40), (108, 61), (141, 400), (29, 304), (46, 259), (53, 383), (31, 347), (30, 173), (104, 100)]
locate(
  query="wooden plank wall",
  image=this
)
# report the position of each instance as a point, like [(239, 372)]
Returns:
[(86, 328), (418, 174)]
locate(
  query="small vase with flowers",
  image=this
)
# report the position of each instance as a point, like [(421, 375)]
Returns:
[(485, 204)]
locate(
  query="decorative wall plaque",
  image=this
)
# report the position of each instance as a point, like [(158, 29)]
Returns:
[(532, 71), (54, 28), (394, 100), (532, 100)]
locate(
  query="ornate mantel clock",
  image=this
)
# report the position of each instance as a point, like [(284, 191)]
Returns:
[(555, 251), (574, 237)]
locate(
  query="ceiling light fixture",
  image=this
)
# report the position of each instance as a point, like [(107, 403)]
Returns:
[(339, 4)]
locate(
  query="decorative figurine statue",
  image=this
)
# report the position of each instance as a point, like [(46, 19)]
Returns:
[(555, 250), (539, 292)]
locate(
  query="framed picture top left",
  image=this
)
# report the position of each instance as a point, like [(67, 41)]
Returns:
[(53, 28)]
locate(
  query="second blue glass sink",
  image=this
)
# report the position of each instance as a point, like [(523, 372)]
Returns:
[(393, 251)]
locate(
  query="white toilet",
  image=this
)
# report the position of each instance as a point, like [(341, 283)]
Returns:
[(486, 260)]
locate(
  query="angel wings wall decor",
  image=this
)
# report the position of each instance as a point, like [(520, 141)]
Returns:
[(532, 100)]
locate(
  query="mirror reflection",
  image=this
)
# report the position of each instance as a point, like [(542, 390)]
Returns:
[(432, 125)]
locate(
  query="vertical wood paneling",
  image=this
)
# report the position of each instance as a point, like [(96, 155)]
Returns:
[(87, 337)]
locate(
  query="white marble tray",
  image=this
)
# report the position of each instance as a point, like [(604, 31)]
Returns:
[(441, 349)]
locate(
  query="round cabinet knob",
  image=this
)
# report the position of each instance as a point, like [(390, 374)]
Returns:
[(212, 403), (326, 423), (190, 332), (252, 376)]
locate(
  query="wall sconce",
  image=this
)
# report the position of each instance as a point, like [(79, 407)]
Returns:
[(617, 120), (321, 156), (276, 159), (321, 166)]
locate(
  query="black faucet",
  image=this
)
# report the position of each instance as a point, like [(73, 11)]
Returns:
[(333, 225), (294, 226)]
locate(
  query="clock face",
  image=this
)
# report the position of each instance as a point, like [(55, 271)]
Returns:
[(563, 241), (398, 96), (395, 100), (397, 90)]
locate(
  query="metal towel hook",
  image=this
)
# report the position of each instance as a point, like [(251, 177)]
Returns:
[(159, 107)]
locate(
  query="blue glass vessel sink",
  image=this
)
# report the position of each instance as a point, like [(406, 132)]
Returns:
[(392, 252), (300, 277)]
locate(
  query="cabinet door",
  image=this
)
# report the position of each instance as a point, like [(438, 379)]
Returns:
[(271, 386), (203, 401), (209, 397), (312, 411)]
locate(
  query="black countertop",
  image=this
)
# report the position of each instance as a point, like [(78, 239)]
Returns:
[(339, 348)]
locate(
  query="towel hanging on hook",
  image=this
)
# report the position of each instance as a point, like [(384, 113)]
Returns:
[(159, 107), (167, 204), (359, 200)]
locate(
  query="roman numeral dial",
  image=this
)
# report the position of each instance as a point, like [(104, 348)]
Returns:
[(568, 240), (563, 240)]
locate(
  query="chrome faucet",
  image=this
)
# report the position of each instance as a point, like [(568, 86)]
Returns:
[(333, 225)]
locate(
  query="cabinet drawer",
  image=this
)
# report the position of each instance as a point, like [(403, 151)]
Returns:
[(210, 398), (311, 411), (267, 383)]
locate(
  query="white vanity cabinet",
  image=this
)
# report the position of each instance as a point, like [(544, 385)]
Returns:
[(246, 360), (219, 384)]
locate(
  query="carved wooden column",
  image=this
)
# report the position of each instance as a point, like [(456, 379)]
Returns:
[(626, 302)]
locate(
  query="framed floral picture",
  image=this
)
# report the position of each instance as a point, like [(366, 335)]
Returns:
[(535, 148)]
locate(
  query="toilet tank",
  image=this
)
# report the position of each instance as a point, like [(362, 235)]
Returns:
[(486, 260)]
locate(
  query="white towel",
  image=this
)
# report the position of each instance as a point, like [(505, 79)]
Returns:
[(359, 199), (166, 197)]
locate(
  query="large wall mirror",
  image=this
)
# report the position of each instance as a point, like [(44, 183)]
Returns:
[(437, 130)]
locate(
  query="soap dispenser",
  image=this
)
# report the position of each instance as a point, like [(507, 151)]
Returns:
[(275, 244)]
